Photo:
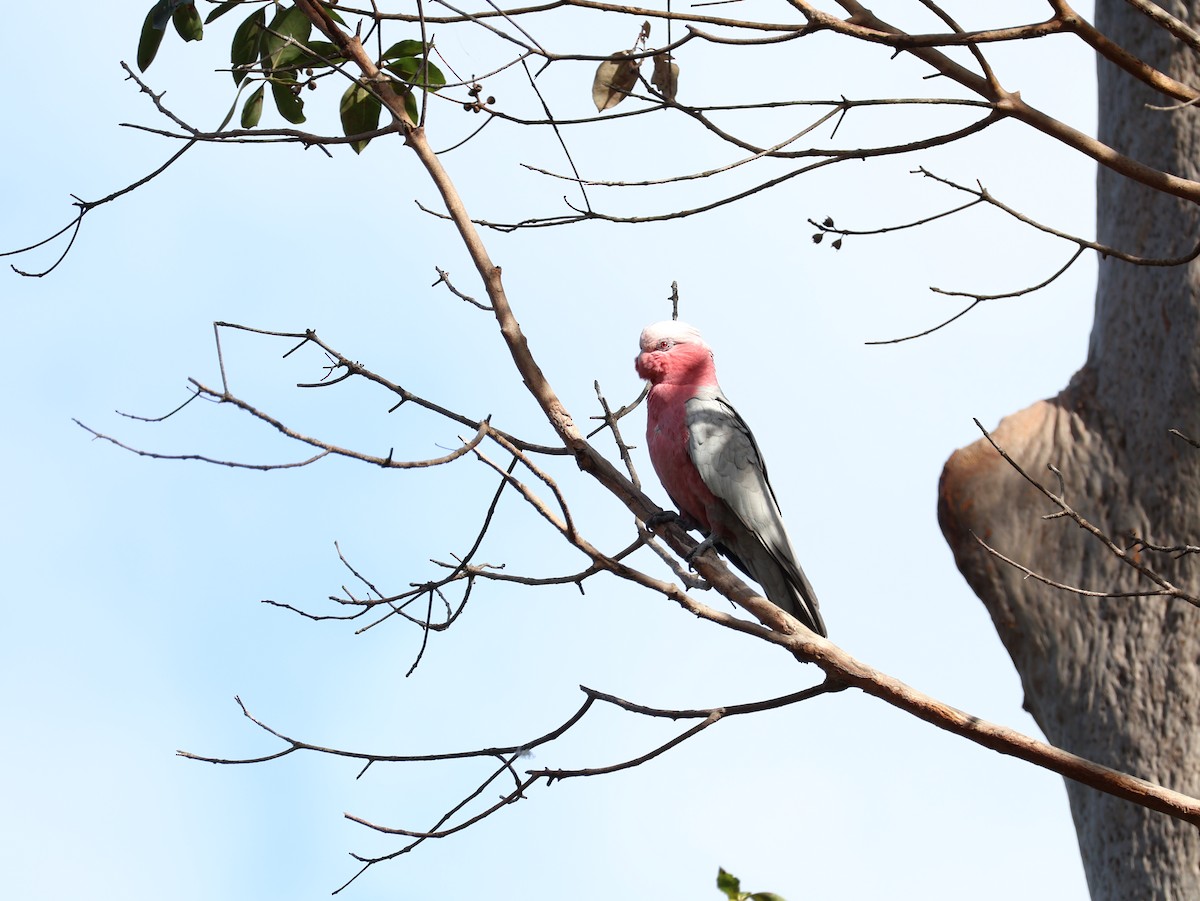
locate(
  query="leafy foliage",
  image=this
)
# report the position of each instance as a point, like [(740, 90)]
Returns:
[(732, 887), (283, 55), (360, 106), (187, 25)]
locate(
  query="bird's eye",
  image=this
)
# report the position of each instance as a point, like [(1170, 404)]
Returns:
[(664, 344)]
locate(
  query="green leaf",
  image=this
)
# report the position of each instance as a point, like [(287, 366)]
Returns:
[(765, 896), (165, 9), (151, 38), (252, 111), (187, 22), (410, 107), (359, 110), (221, 10), (404, 68), (417, 72), (287, 99), (246, 39), (288, 23), (287, 58), (404, 48), (318, 54), (333, 13), (290, 106), (434, 78), (729, 884)]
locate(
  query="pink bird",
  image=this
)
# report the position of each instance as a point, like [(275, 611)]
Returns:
[(710, 465)]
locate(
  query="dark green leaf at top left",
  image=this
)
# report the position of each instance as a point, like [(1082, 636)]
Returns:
[(188, 23), (246, 40), (150, 39), (163, 10)]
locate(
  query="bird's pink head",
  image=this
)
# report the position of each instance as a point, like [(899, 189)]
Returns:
[(674, 353)]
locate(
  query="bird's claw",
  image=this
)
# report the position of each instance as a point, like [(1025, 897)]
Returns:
[(661, 518), (698, 550)]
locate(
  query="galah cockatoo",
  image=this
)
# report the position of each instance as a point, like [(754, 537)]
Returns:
[(710, 465)]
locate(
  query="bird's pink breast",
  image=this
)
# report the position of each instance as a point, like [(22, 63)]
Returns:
[(667, 442)]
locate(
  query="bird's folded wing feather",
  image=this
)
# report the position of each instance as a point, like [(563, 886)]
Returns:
[(727, 457), (725, 453)]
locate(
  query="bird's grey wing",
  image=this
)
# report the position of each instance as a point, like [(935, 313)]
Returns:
[(724, 451)]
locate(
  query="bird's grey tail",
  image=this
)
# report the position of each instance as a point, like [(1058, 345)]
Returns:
[(804, 600), (783, 582)]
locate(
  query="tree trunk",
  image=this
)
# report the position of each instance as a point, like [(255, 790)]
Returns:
[(1116, 680)]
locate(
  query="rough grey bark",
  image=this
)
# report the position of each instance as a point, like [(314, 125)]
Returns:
[(1116, 680)]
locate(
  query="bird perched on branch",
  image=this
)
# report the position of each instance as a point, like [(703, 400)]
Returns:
[(710, 465)]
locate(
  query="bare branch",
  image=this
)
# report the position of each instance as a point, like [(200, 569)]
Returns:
[(444, 278), (835, 157), (340, 361), (1119, 56), (233, 464), (929, 331), (1068, 511), (1103, 249), (1163, 19), (192, 395), (610, 420), (1084, 592), (1178, 434), (1019, 291), (710, 718), (841, 671)]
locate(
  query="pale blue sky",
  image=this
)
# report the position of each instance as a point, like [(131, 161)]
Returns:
[(134, 616)]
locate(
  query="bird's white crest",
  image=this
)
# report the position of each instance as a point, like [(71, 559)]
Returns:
[(672, 330)]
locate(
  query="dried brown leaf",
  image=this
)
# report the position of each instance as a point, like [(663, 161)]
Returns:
[(666, 76), (615, 77)]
